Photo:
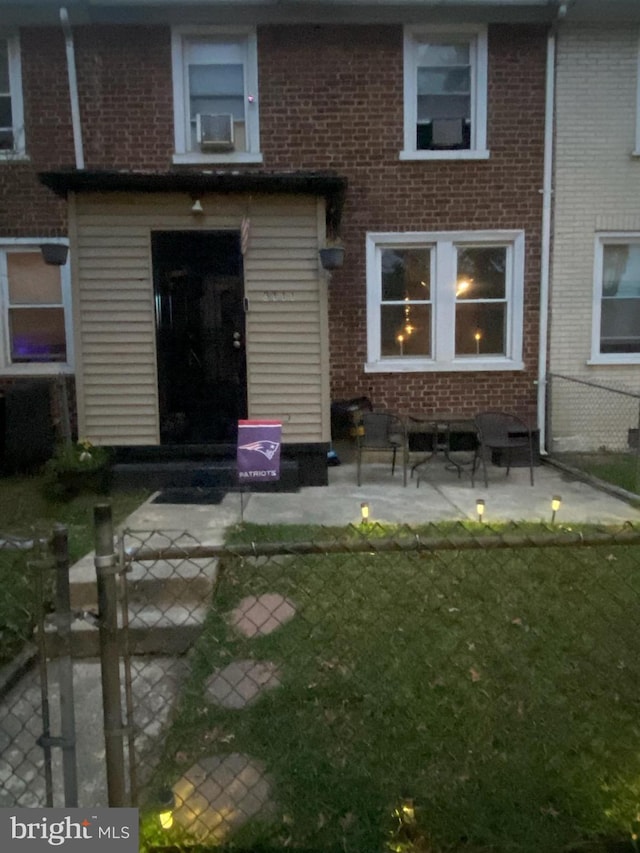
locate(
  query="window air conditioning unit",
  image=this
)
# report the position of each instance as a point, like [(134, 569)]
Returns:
[(214, 132)]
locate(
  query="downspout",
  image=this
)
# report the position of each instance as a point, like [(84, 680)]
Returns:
[(73, 88), (547, 197)]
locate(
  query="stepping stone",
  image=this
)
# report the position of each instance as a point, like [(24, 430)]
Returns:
[(219, 793), (241, 682), (262, 614)]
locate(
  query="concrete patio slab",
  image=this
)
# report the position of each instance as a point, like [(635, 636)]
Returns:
[(441, 496)]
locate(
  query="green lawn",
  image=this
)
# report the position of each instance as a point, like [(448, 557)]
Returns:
[(25, 512), (484, 700), (619, 469)]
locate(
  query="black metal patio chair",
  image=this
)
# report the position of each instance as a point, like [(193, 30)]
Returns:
[(504, 433), (382, 431)]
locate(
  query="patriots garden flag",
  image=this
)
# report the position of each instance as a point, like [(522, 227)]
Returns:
[(259, 451)]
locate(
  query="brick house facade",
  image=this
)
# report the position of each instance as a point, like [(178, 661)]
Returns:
[(331, 102)]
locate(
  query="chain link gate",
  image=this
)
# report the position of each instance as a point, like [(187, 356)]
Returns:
[(420, 692), (36, 679)]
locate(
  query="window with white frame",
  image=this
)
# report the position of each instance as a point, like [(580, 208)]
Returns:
[(616, 303), (35, 308), (445, 301), (445, 93), (215, 93), (11, 111)]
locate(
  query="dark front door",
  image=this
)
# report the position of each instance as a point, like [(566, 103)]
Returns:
[(199, 296)]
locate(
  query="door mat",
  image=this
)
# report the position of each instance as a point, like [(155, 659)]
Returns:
[(192, 495)]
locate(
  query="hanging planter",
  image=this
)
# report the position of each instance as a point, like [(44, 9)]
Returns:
[(54, 253), (332, 257)]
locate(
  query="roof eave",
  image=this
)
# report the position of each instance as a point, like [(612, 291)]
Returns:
[(14, 12)]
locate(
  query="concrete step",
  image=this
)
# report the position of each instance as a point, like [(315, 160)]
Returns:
[(195, 473), (162, 584), (151, 630), (168, 601)]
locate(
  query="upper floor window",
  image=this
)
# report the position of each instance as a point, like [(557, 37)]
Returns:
[(35, 311), (445, 301), (445, 93), (215, 91), (11, 113), (616, 303)]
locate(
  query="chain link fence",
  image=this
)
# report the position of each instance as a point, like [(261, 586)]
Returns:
[(434, 691), (165, 601), (439, 689), (26, 580), (594, 428)]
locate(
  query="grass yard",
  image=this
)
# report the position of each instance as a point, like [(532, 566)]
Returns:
[(619, 469), (484, 700), (25, 512)]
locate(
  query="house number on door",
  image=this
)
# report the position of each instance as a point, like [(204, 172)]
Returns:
[(277, 296)]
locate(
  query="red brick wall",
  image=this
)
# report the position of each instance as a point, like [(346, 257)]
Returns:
[(124, 82), (30, 209), (330, 98), (126, 96)]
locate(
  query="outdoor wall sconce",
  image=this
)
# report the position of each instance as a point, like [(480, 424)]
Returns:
[(364, 512), (332, 257), (196, 208), (556, 503), (480, 509), (54, 254)]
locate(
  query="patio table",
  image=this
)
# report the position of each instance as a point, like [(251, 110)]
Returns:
[(445, 433)]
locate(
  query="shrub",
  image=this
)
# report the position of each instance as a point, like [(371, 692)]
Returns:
[(78, 467)]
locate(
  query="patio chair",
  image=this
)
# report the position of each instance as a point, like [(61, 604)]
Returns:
[(383, 431), (502, 432)]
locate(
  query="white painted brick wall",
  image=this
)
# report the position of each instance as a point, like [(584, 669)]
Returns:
[(597, 188)]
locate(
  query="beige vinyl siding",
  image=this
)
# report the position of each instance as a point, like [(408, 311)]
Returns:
[(286, 327), (286, 340)]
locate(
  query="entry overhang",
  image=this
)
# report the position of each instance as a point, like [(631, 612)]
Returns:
[(328, 185)]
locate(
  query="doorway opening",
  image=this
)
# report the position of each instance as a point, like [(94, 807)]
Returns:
[(200, 335)]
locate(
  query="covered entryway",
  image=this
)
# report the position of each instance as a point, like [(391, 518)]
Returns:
[(200, 335), (162, 294)]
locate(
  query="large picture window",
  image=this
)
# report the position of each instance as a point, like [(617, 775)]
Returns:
[(616, 314), (35, 306), (215, 88), (445, 93), (445, 301)]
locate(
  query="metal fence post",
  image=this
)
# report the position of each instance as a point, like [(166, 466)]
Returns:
[(106, 570), (60, 542), (637, 477), (38, 567), (548, 414)]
